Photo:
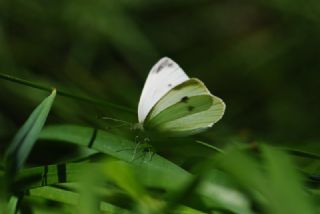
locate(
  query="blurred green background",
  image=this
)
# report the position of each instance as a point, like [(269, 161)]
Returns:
[(261, 57)]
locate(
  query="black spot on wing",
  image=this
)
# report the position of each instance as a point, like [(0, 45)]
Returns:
[(170, 85), (190, 108), (165, 63), (184, 99), (160, 67)]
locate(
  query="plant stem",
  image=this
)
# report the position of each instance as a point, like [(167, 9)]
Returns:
[(209, 146), (63, 93)]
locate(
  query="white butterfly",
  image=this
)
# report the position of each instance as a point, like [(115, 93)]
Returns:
[(174, 104)]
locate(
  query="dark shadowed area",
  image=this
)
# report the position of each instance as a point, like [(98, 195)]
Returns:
[(261, 57)]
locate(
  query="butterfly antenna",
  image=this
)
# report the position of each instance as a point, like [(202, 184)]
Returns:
[(117, 120), (122, 123)]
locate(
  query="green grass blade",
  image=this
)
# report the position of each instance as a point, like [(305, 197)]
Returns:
[(273, 182), (23, 142), (12, 205), (3, 192), (70, 198), (186, 210), (108, 143), (155, 172), (65, 93), (303, 154), (243, 168), (125, 178), (288, 194), (48, 175), (209, 146)]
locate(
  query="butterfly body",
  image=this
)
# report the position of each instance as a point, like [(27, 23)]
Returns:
[(173, 104)]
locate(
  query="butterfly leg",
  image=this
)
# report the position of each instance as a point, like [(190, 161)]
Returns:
[(136, 140), (108, 128), (135, 150), (151, 153), (148, 148)]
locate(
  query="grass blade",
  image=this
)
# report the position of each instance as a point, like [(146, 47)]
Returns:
[(12, 205), (70, 198), (108, 143), (273, 181), (288, 195), (64, 93), (23, 142), (155, 172)]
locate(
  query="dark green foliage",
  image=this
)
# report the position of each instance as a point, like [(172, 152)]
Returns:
[(260, 57), (20, 147)]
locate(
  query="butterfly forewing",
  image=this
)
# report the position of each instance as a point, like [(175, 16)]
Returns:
[(164, 75)]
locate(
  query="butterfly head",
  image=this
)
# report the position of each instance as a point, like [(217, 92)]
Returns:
[(137, 127)]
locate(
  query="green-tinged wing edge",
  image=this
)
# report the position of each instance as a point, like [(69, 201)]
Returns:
[(165, 117)]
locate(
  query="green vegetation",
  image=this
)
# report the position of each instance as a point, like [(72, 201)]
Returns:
[(66, 65)]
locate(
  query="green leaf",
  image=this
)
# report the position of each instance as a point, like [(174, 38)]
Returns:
[(151, 172), (71, 172), (126, 178), (274, 183), (70, 198), (12, 205), (302, 153), (108, 143), (284, 184), (22, 144), (48, 175), (243, 168), (186, 210)]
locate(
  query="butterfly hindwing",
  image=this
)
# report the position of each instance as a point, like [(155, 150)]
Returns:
[(189, 88), (186, 109), (164, 75), (194, 123), (179, 110)]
